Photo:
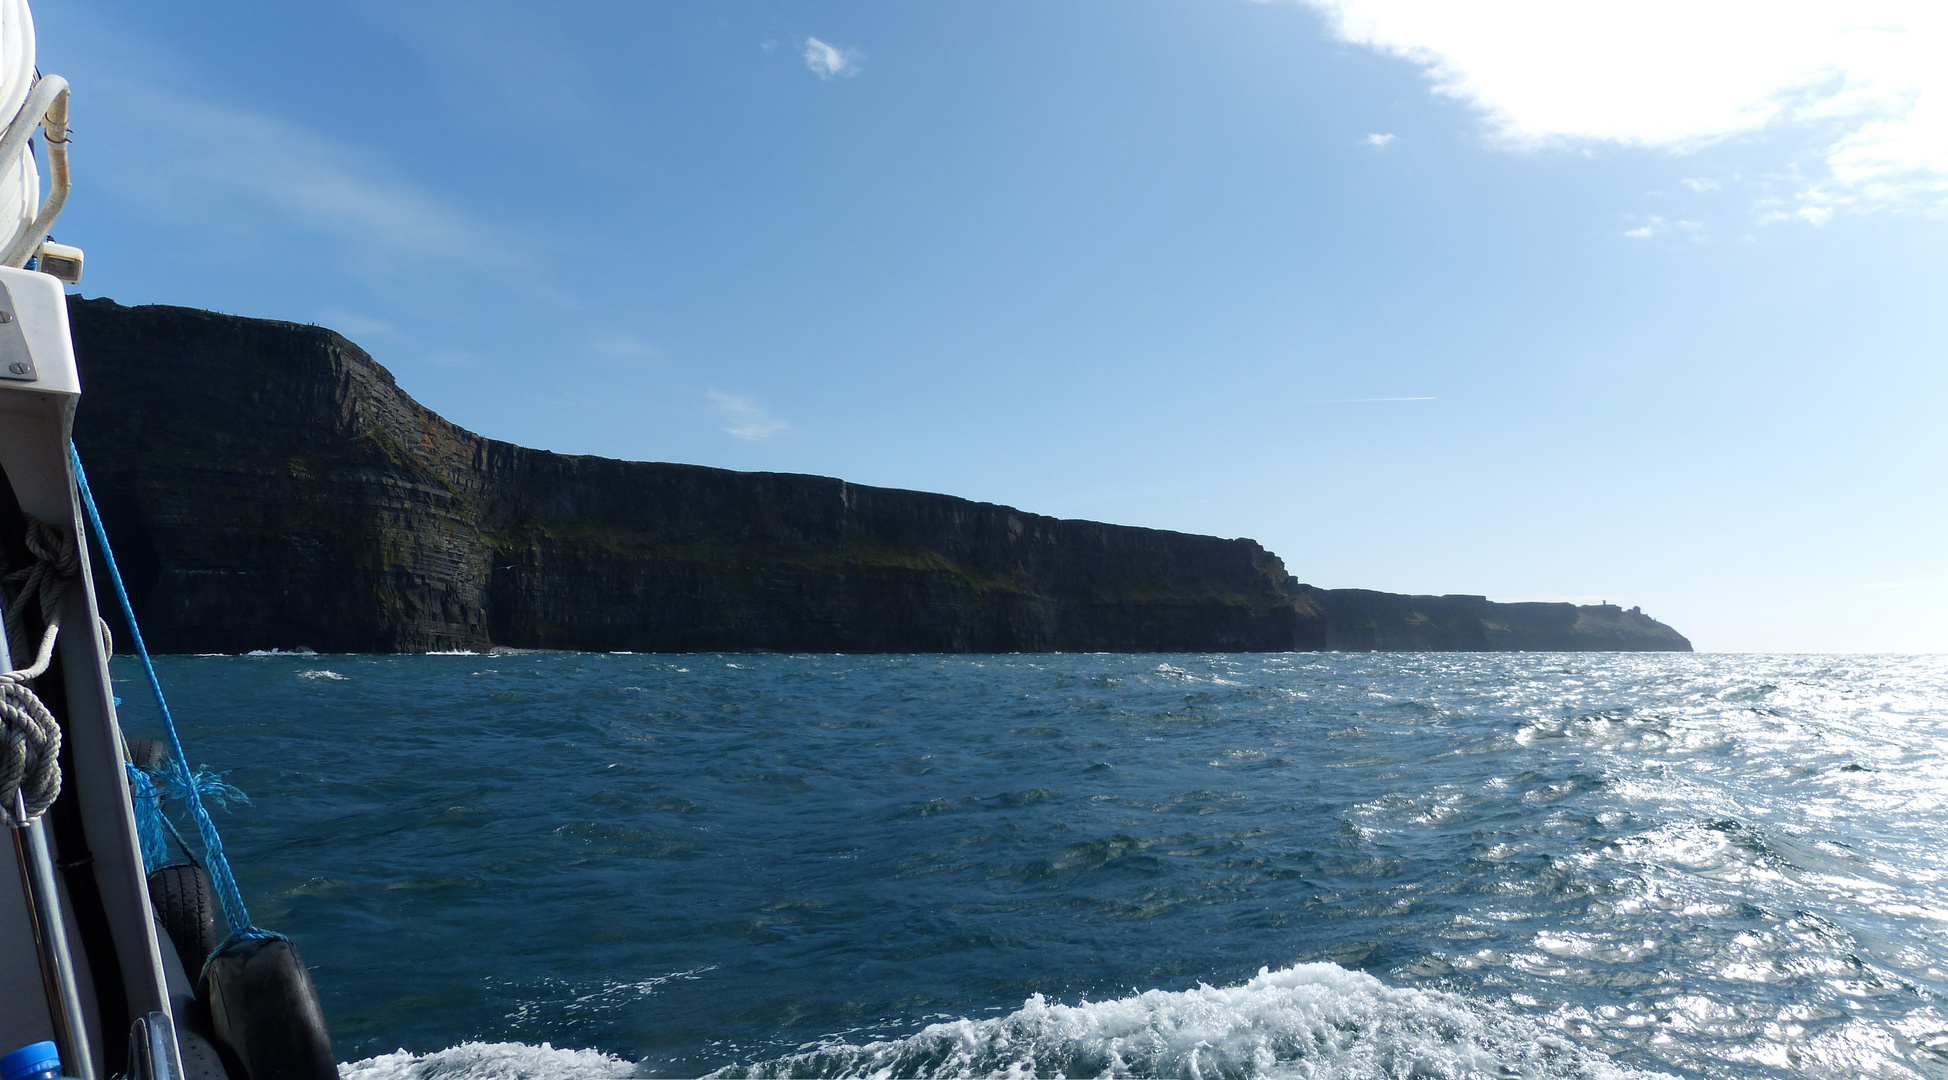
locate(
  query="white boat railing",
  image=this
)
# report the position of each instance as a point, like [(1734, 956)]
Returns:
[(46, 107)]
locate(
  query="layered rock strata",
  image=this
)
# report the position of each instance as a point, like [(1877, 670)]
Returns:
[(267, 485)]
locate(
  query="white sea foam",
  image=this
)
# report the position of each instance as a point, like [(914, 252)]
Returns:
[(323, 673), (302, 650), (568, 999), (1316, 1021), (1311, 1021), (490, 1061)]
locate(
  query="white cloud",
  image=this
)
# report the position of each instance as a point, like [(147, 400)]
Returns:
[(1699, 183), (830, 61), (1380, 141), (1657, 226), (1865, 78), (745, 418)]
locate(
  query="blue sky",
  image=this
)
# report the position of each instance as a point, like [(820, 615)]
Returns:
[(1587, 302)]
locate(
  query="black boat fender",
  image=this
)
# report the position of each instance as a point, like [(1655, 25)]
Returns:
[(148, 754), (185, 904), (264, 1013)]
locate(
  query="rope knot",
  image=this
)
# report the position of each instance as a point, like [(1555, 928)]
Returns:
[(56, 561), (54, 546)]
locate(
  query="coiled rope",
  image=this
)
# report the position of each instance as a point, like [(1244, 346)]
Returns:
[(228, 896), (30, 739)]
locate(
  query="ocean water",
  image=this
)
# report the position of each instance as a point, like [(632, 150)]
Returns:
[(579, 865)]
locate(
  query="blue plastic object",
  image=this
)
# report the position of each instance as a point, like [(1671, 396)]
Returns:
[(35, 1061)]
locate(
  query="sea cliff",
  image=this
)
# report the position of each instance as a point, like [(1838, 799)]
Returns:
[(268, 485)]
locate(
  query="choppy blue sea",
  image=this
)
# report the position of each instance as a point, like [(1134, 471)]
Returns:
[(578, 865)]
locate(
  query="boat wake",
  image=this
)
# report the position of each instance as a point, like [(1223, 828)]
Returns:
[(490, 1061), (1316, 1021)]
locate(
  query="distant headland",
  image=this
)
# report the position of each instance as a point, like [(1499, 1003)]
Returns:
[(268, 486)]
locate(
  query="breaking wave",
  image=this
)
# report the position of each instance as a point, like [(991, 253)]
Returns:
[(1315, 1021), (490, 1061)]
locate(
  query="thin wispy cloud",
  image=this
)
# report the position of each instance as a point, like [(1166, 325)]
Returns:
[(1864, 79), (354, 325), (621, 346), (832, 61), (482, 56), (275, 176), (745, 418), (1657, 226), (313, 182), (1379, 141), (238, 184)]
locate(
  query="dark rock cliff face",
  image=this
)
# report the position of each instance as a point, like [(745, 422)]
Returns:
[(267, 485), (1359, 620)]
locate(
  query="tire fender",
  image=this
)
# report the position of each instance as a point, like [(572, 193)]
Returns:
[(264, 1013)]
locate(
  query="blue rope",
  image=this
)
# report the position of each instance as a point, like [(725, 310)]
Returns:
[(151, 788), (227, 893), (149, 821)]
